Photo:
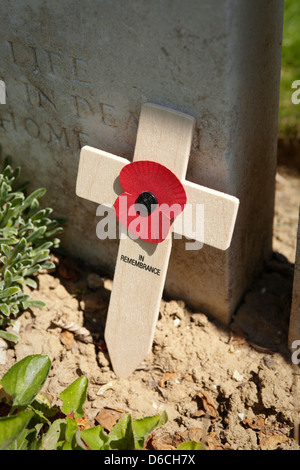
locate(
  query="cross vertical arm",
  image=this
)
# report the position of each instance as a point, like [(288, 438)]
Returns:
[(165, 136), (138, 284)]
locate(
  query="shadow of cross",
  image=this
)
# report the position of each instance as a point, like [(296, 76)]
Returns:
[(164, 136)]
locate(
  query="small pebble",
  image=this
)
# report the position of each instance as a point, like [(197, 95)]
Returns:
[(237, 376), (94, 281), (269, 362)]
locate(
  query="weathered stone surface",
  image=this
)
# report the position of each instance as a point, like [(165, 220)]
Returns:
[(2, 92), (294, 329), (77, 73)]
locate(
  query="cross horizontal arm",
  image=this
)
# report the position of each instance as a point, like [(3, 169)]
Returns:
[(213, 221), (98, 176)]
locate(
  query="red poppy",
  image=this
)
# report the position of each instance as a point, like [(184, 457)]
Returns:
[(153, 196)]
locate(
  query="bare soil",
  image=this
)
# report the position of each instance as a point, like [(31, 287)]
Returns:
[(231, 387)]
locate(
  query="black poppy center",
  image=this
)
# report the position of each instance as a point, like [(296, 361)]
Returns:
[(146, 203)]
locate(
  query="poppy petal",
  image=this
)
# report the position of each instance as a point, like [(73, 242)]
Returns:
[(153, 228), (145, 175), (158, 183)]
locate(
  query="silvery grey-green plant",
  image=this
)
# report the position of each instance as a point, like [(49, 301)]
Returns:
[(27, 234)]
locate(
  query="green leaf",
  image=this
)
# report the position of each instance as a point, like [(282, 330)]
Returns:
[(5, 249), (191, 445), (56, 244), (16, 200), (12, 426), (9, 291), (41, 417), (94, 437), (25, 228), (50, 223), (25, 263), (34, 195), (7, 277), (14, 309), (48, 265), (44, 246), (143, 427), (33, 270), (63, 434), (30, 282), (3, 193), (29, 438), (9, 336), (7, 168), (74, 396), (71, 430), (19, 249), (33, 303), (19, 298), (43, 255), (14, 261), (32, 210), (4, 308), (9, 241), (51, 233), (40, 214), (9, 231), (121, 436), (36, 234), (25, 378), (55, 434), (8, 213)]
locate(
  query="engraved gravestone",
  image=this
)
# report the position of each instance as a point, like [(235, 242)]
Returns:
[(78, 73)]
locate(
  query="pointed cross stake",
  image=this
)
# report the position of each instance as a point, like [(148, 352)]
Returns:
[(165, 137)]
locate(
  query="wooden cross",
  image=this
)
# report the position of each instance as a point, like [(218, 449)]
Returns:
[(164, 136)]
